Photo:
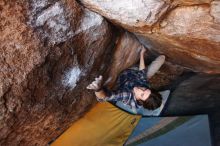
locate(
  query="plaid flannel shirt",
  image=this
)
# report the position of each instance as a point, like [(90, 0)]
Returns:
[(126, 81)]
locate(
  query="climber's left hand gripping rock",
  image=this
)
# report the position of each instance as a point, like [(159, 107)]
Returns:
[(96, 85)]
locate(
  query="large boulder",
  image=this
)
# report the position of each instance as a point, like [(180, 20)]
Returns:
[(50, 51), (188, 32)]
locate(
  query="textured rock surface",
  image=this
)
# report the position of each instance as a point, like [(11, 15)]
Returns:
[(50, 50), (134, 15), (126, 54), (188, 32)]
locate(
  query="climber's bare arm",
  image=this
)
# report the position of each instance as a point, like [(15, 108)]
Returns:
[(142, 64), (154, 66)]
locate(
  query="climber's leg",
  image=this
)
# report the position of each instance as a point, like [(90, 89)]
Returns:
[(155, 66)]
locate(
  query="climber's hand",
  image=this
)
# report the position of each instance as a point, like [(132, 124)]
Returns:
[(95, 85), (143, 50)]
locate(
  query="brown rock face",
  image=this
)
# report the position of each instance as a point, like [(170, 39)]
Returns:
[(50, 50), (126, 54), (188, 32), (134, 15)]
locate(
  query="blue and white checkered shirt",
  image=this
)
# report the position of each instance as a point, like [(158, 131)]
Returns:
[(126, 81)]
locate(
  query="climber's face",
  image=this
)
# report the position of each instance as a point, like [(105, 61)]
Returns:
[(141, 93)]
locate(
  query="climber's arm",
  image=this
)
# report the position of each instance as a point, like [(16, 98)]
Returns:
[(104, 94), (142, 64), (108, 95)]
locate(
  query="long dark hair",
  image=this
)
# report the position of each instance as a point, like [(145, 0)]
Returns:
[(153, 102)]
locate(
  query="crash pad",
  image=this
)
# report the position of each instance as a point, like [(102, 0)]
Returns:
[(103, 125)]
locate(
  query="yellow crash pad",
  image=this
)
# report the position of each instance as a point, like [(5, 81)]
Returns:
[(103, 125)]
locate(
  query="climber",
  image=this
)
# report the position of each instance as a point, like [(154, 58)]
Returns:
[(132, 87)]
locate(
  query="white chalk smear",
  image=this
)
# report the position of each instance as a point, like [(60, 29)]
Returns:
[(72, 77), (54, 17)]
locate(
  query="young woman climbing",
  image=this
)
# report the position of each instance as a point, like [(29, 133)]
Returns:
[(133, 91)]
